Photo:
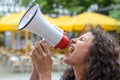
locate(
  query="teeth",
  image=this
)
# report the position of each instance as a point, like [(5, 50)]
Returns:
[(71, 49)]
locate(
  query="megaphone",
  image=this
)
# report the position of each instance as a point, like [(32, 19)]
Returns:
[(33, 21)]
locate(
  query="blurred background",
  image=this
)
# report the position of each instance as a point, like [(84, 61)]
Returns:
[(69, 15)]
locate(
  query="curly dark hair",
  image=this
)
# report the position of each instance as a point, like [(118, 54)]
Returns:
[(103, 60)]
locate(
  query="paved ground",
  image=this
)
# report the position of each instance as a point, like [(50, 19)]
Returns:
[(23, 76), (6, 74)]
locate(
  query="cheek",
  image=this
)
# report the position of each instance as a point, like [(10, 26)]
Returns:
[(82, 48), (82, 53)]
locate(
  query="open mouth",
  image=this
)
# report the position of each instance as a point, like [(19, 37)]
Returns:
[(71, 49)]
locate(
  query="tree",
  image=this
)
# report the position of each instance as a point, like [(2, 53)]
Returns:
[(115, 13), (73, 7)]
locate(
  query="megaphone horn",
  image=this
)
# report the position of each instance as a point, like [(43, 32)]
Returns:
[(34, 22)]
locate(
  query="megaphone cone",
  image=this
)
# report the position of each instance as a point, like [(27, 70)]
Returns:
[(34, 22)]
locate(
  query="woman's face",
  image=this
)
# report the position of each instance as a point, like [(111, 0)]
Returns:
[(79, 49)]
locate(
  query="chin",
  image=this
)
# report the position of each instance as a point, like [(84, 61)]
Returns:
[(67, 61), (69, 56)]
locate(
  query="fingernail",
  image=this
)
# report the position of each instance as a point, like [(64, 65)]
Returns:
[(32, 47)]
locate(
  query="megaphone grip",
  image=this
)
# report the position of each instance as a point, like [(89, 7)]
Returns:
[(64, 42)]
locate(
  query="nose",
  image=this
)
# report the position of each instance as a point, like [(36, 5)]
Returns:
[(74, 41)]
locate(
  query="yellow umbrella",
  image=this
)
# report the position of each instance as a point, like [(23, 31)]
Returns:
[(61, 22), (11, 21), (80, 20), (49, 19), (5, 23), (17, 17), (63, 18), (118, 26)]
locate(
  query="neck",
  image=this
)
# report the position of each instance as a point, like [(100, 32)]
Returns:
[(79, 71)]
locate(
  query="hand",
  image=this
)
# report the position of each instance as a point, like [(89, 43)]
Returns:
[(41, 57), (34, 74)]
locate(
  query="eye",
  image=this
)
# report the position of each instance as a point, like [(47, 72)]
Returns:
[(82, 39)]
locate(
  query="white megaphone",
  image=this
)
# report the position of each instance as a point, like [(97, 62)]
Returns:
[(34, 22)]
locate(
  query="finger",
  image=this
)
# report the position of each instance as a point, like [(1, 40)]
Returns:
[(33, 52), (46, 43), (36, 43), (45, 47), (32, 47), (33, 57), (36, 46), (40, 49), (33, 60), (30, 53), (36, 53)]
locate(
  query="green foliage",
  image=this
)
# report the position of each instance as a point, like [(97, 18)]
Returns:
[(115, 13), (103, 3), (46, 6), (25, 2), (116, 1), (73, 5), (78, 6)]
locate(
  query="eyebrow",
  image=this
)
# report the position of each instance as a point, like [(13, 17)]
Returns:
[(82, 33)]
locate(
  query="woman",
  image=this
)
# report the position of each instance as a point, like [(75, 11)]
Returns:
[(92, 56)]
